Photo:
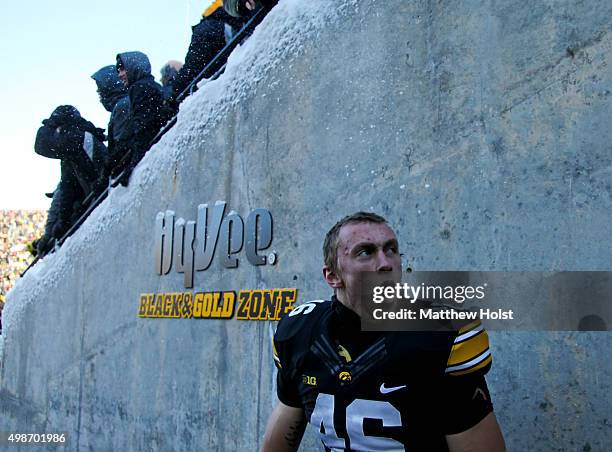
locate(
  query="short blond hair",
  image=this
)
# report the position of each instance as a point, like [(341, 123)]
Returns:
[(330, 244)]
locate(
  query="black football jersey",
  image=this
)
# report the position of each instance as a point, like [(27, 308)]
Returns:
[(380, 391)]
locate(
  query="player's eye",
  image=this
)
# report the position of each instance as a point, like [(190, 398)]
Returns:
[(392, 249), (366, 251)]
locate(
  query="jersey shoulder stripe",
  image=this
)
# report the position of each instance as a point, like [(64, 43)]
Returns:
[(275, 355), (470, 351), (468, 331), (480, 362)]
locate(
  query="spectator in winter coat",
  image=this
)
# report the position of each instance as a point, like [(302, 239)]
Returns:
[(168, 73), (113, 96), (242, 8), (78, 144), (147, 112), (207, 39)]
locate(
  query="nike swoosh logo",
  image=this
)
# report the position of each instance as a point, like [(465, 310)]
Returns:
[(384, 390)]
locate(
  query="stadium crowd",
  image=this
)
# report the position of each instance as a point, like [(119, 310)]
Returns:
[(18, 229), (92, 158)]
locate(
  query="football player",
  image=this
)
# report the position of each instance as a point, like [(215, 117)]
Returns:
[(376, 391)]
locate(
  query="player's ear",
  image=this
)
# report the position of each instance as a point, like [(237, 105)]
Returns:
[(332, 278)]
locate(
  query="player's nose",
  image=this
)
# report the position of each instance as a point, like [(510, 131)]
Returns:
[(384, 263)]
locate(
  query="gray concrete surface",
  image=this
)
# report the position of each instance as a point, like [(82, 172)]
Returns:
[(480, 129)]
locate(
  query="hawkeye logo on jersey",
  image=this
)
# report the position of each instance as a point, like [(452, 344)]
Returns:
[(190, 246), (265, 304), (345, 376)]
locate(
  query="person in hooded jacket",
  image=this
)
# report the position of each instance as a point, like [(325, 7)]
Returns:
[(114, 98), (208, 38), (79, 146), (147, 110), (168, 73)]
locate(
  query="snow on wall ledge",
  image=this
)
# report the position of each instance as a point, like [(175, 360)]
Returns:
[(480, 131)]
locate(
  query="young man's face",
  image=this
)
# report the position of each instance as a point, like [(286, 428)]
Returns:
[(123, 75), (363, 247)]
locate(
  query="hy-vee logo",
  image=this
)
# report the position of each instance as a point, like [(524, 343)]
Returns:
[(190, 245)]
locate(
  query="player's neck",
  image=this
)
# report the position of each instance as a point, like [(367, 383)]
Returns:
[(345, 300), (347, 310)]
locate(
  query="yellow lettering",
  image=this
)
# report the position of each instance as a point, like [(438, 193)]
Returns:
[(151, 301), (180, 301), (287, 300), (167, 307), (144, 301), (151, 308), (197, 305), (175, 313), (188, 303), (256, 303), (262, 304), (312, 381), (244, 298), (208, 299), (268, 308), (159, 305), (216, 311), (229, 300)]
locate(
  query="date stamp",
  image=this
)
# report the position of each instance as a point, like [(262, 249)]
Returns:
[(34, 439)]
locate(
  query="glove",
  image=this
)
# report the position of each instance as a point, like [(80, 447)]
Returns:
[(44, 245), (32, 247)]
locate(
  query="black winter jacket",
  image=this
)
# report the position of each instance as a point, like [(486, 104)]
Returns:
[(114, 97), (147, 112), (207, 39), (78, 144)]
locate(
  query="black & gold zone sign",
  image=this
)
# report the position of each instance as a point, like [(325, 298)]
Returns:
[(263, 304)]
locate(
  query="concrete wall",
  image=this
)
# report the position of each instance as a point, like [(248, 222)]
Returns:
[(480, 129)]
